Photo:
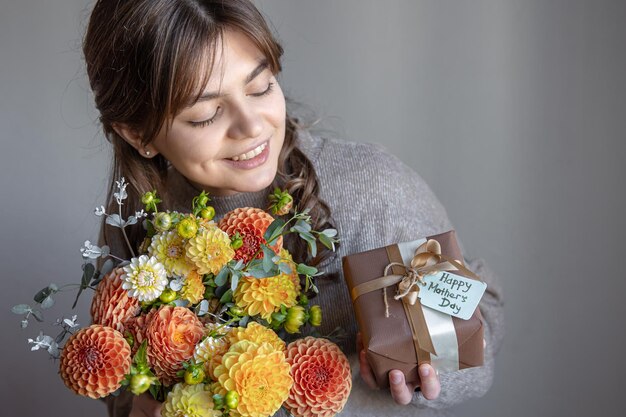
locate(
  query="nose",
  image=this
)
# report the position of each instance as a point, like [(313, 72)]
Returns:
[(247, 122)]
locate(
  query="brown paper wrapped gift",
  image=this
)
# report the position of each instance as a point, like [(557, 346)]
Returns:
[(391, 338)]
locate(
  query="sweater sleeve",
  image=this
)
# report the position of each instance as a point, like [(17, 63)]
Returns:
[(419, 213)]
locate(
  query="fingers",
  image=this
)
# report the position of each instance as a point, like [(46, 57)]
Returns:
[(401, 392), (429, 382), (145, 406), (366, 372)]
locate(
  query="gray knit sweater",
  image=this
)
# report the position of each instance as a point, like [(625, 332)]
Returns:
[(375, 200)]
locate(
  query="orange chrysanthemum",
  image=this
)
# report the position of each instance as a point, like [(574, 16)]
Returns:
[(251, 223), (264, 296), (193, 290), (111, 306), (259, 374), (322, 378), (94, 361), (172, 335), (257, 334)]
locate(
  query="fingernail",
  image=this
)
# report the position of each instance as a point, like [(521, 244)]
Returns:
[(424, 371), (396, 378)]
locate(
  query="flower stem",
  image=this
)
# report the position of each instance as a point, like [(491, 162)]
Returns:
[(132, 252)]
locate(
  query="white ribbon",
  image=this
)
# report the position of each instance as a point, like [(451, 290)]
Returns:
[(440, 325)]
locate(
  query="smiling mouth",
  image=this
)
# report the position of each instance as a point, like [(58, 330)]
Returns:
[(250, 154)]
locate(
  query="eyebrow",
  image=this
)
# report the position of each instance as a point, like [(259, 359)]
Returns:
[(263, 64)]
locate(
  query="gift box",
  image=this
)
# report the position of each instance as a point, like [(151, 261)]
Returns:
[(398, 335)]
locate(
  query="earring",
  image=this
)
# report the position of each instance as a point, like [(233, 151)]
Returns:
[(146, 152)]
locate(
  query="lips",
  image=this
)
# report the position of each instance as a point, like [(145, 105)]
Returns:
[(251, 159)]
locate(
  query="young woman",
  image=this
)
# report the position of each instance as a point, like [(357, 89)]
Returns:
[(188, 96)]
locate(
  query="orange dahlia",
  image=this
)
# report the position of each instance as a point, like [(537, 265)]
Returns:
[(172, 335), (259, 374), (251, 223), (111, 306), (94, 361), (264, 296), (322, 378), (257, 334)]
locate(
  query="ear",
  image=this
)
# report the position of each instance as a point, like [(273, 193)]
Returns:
[(133, 137)]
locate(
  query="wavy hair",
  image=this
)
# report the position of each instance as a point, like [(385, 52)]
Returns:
[(142, 58)]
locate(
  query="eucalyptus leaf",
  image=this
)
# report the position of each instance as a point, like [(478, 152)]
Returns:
[(45, 292), (202, 308), (310, 240), (326, 241), (234, 281), (105, 251), (47, 302), (273, 231), (114, 220), (301, 227), (107, 266), (329, 232), (244, 321), (268, 254), (306, 270), (37, 315), (259, 272), (24, 324), (284, 268), (60, 337), (219, 291), (222, 277), (88, 272), (21, 309), (131, 220)]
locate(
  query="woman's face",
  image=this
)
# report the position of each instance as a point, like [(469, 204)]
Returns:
[(229, 141)]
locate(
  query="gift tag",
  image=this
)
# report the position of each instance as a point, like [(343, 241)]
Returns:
[(451, 294)]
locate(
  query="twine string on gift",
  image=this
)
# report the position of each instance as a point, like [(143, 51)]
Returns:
[(407, 287)]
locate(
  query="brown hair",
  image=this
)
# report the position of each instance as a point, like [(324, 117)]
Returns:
[(142, 58)]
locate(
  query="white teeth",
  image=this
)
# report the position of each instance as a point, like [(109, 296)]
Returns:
[(249, 155)]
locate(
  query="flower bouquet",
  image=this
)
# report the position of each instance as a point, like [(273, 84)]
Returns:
[(199, 316)]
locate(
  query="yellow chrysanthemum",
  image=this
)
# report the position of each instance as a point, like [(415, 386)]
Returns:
[(193, 290), (257, 334), (169, 249), (189, 401), (264, 296), (259, 374), (210, 351), (144, 278), (210, 249)]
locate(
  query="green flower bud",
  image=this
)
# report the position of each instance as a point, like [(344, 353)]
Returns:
[(303, 300), (236, 311), (315, 316), (162, 221), (168, 295), (202, 200), (140, 383), (148, 198), (207, 213), (295, 319), (194, 375), (232, 399), (187, 228), (236, 241)]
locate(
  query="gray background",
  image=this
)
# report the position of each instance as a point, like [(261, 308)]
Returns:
[(513, 110)]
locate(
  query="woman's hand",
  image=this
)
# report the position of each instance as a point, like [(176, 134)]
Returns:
[(401, 391), (145, 406)]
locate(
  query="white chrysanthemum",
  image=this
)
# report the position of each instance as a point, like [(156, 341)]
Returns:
[(145, 278), (169, 249)]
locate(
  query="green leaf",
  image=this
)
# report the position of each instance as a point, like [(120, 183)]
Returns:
[(301, 227), (306, 270), (47, 302), (234, 281), (222, 277), (107, 267), (257, 271), (141, 358), (310, 240), (273, 231), (284, 268), (21, 309), (45, 293), (37, 315), (227, 297), (268, 254), (88, 271), (329, 232), (326, 241)]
